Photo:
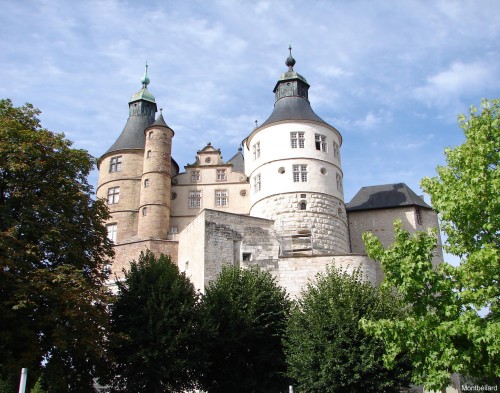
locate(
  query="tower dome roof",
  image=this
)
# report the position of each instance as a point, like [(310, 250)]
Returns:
[(291, 93), (142, 109)]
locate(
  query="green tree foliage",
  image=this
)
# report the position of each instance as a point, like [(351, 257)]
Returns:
[(53, 247), (454, 320), (245, 314), (327, 351), (154, 328)]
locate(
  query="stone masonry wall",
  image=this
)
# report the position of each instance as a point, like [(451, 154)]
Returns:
[(126, 252), (324, 216), (294, 273)]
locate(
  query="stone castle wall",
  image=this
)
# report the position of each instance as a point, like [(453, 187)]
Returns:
[(127, 252), (324, 216)]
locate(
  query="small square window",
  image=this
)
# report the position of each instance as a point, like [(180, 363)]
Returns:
[(115, 164), (221, 175), (221, 199), (195, 199), (112, 230), (321, 142), (113, 195), (195, 176)]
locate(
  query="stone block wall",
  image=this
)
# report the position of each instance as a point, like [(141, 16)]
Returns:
[(380, 223), (127, 252), (294, 273), (324, 216)]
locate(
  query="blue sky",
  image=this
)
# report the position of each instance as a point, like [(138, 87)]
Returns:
[(391, 76)]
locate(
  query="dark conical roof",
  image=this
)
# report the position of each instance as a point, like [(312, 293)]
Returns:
[(238, 162), (142, 109), (384, 197), (293, 108), (291, 94)]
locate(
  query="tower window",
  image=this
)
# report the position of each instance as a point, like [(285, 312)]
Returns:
[(302, 205), (115, 165), (297, 140), (195, 176), (418, 216), (112, 229), (336, 150), (221, 198), (320, 142), (150, 135), (221, 175), (257, 183), (146, 183), (194, 199), (149, 154), (144, 211), (113, 195), (256, 150), (339, 182), (299, 173)]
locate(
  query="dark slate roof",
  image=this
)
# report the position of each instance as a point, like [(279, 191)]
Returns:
[(293, 108), (160, 122), (238, 162), (132, 136), (384, 197)]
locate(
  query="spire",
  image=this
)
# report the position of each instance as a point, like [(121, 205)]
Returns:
[(145, 79), (290, 61)]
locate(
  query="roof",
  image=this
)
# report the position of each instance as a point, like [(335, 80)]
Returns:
[(384, 197), (238, 162), (293, 108), (132, 136)]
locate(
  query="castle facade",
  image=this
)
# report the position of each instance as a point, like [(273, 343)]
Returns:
[(277, 203)]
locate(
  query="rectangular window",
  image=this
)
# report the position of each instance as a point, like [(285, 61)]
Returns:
[(146, 183), (221, 198), (194, 199), (320, 142), (297, 140), (339, 182), (299, 173), (115, 165), (149, 154), (173, 230), (256, 150), (221, 175), (113, 195), (257, 183), (336, 150), (112, 230), (195, 176)]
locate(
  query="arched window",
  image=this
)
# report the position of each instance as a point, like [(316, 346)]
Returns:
[(302, 205)]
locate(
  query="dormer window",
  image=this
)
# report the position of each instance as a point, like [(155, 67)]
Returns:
[(208, 160), (221, 175), (195, 176)]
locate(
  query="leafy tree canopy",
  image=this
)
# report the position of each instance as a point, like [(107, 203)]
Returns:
[(327, 351), (244, 312), (154, 328), (53, 246), (454, 321)]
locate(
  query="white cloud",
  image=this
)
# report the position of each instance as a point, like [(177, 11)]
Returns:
[(457, 80)]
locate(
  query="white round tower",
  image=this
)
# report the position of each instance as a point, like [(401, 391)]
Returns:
[(293, 163)]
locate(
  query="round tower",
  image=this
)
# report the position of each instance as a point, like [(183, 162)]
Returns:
[(154, 208), (121, 167), (293, 163)]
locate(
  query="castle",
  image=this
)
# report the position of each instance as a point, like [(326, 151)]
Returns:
[(277, 203)]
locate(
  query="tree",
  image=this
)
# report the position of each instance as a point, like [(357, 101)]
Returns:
[(245, 314), (326, 349), (53, 246), (154, 327), (454, 320)]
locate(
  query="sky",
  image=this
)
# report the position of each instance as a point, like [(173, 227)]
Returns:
[(391, 76)]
